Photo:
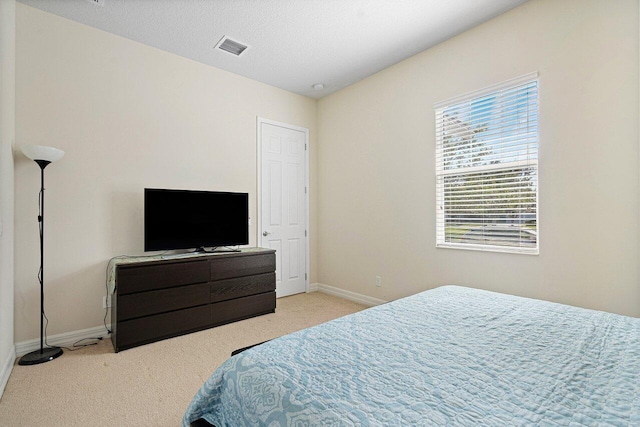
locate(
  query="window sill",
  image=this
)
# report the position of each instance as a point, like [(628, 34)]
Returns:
[(487, 248)]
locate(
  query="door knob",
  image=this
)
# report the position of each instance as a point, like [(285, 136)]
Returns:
[(265, 233)]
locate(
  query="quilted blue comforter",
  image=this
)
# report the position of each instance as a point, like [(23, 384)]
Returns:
[(449, 356)]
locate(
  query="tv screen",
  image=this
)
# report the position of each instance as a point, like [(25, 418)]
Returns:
[(181, 219)]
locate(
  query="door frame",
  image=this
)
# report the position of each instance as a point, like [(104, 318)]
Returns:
[(259, 122)]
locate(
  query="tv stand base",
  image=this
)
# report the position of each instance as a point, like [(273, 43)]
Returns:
[(216, 250)]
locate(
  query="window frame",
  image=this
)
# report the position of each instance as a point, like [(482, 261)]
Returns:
[(517, 165)]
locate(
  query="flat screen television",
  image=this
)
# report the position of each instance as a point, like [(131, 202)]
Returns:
[(183, 219)]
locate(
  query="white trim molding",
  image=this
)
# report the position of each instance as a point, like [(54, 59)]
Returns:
[(65, 339), (5, 370), (348, 295)]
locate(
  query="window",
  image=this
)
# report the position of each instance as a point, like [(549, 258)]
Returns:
[(487, 169)]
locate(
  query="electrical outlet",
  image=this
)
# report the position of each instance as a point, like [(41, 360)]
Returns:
[(106, 301), (378, 281)]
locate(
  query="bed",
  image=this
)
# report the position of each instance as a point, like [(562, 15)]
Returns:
[(447, 356)]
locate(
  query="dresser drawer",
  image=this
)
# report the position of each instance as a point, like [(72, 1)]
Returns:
[(241, 308), (153, 302), (242, 286), (154, 328), (225, 268), (132, 279)]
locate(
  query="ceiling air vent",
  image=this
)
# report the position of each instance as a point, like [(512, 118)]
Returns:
[(231, 46)]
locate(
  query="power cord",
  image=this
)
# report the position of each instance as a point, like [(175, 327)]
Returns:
[(106, 309), (40, 279), (106, 286), (76, 345)]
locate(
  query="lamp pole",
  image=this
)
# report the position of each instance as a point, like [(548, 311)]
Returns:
[(43, 164)]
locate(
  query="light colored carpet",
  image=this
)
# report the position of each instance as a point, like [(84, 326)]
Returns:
[(149, 385)]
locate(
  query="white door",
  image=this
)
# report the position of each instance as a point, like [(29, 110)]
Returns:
[(283, 204)]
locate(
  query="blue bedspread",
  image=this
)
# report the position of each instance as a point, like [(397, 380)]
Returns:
[(449, 356)]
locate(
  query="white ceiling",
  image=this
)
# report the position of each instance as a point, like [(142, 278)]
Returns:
[(294, 44)]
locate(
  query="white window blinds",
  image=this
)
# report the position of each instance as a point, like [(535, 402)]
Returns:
[(487, 169)]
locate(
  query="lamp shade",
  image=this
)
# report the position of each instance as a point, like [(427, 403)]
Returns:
[(41, 152)]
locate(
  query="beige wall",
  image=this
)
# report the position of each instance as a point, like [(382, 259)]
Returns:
[(128, 116), (376, 204), (7, 136)]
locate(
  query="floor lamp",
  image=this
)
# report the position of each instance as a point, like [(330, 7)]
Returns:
[(42, 156)]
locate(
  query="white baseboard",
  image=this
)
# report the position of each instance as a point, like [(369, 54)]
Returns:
[(348, 295), (6, 368), (61, 340)]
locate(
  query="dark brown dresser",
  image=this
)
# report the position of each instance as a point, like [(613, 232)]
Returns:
[(154, 300)]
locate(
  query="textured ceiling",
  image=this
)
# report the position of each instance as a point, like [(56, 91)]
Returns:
[(293, 44)]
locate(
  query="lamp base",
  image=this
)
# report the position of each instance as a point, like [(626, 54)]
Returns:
[(40, 356)]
